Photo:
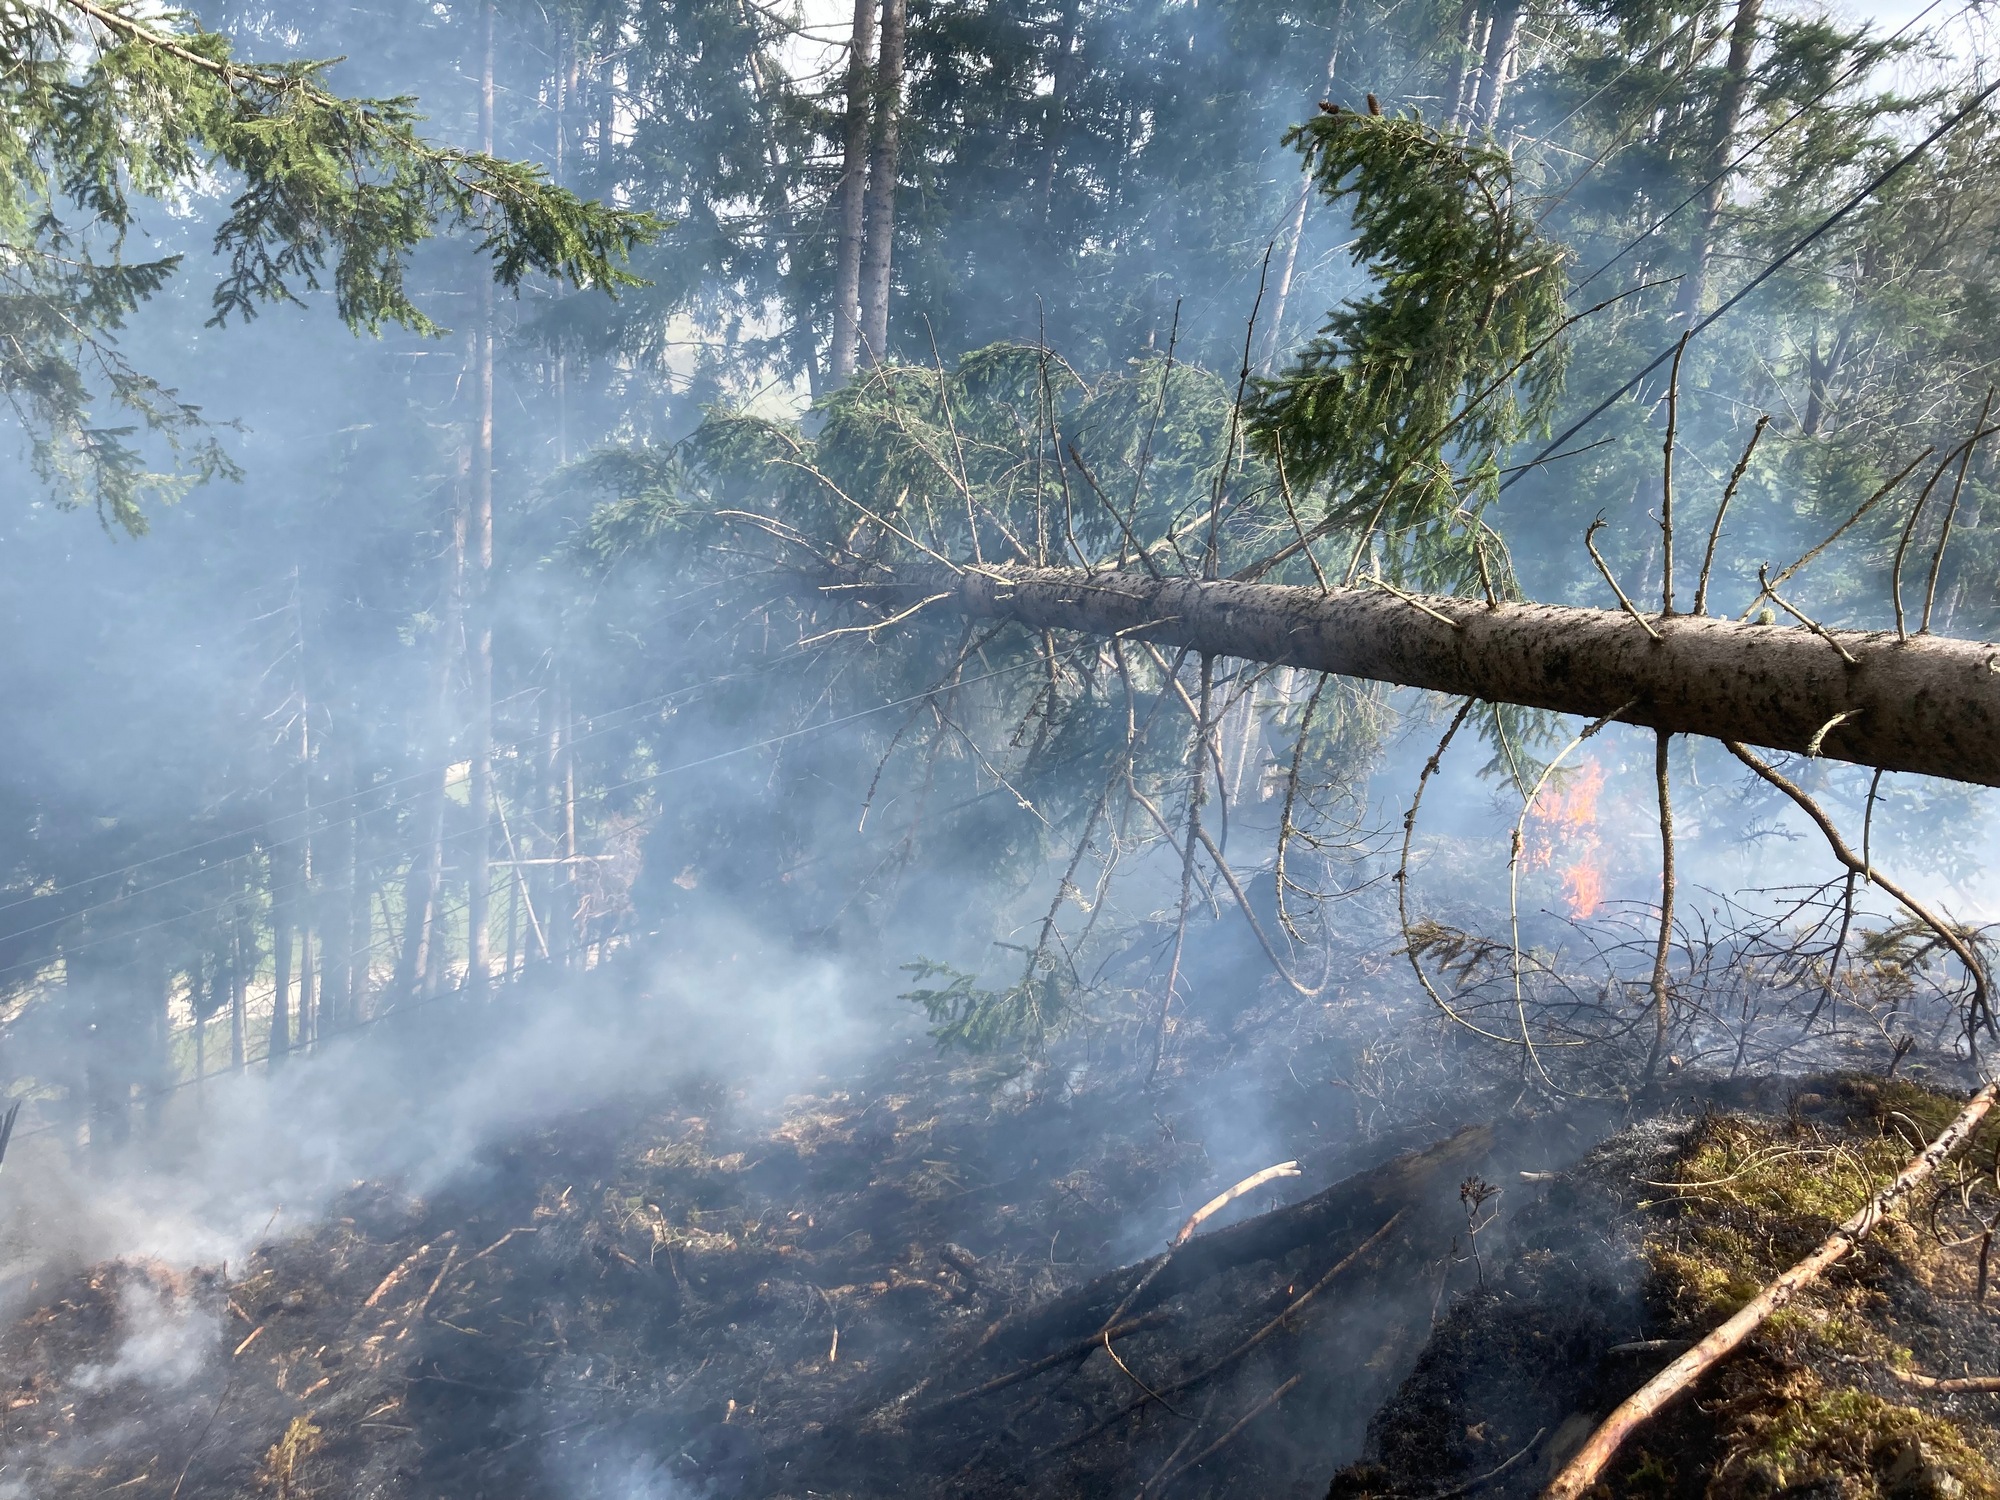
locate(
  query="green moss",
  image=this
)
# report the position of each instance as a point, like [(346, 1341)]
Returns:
[(1747, 1200), (1820, 1433)]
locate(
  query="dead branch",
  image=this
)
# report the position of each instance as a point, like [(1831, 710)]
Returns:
[(1948, 1385), (1947, 934), (1228, 1196), (1667, 478), (1071, 1351), (1402, 879), (1216, 1366), (1664, 783), (1220, 1443), (1345, 1208), (1590, 544), (1951, 514), (396, 1275), (1715, 531)]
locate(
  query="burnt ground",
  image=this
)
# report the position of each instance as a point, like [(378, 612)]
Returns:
[(901, 1287)]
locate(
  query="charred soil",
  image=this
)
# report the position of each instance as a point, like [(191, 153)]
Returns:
[(943, 1281)]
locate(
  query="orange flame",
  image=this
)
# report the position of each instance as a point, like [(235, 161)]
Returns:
[(1564, 829)]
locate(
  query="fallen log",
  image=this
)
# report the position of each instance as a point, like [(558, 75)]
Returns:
[(1927, 704), (1351, 1209)]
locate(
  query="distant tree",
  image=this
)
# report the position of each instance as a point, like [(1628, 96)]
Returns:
[(106, 104)]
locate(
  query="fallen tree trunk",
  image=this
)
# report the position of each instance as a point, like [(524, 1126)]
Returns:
[(1350, 1209), (1927, 704)]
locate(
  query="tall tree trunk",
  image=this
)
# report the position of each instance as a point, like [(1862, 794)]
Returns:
[(305, 904), (280, 1039), (344, 938), (98, 973), (852, 198), (361, 929), (1061, 80), (1295, 231), (1501, 41), (239, 992), (479, 874), (421, 888), (1728, 116), (878, 247), (1465, 48), (1927, 704)]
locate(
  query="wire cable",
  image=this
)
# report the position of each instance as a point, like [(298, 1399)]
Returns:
[(1825, 226)]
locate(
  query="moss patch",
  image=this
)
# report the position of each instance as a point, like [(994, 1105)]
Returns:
[(1812, 1404)]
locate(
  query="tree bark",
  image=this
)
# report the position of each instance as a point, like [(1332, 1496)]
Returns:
[(279, 1040), (239, 992), (879, 246), (1928, 704), (1061, 80), (1500, 44), (479, 882), (1728, 115), (852, 198), (1463, 40)]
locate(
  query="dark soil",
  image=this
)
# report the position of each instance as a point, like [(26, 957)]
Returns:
[(690, 1297)]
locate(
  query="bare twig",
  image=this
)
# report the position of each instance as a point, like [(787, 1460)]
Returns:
[(1947, 1385), (1402, 878), (1230, 1436), (1197, 787), (1590, 541), (1771, 593), (1951, 512), (1514, 872), (1414, 602), (1482, 1480), (1785, 575), (1715, 531), (1223, 1362), (1663, 949), (1286, 828), (1667, 478), (1946, 933), (1903, 542), (1071, 1351), (396, 1275)]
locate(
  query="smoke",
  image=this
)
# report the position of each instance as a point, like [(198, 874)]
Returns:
[(417, 1098), (166, 1335)]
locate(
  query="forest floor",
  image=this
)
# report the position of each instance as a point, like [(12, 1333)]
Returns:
[(903, 1287)]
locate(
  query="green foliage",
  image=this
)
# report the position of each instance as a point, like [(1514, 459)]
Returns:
[(1451, 355), (106, 104), (964, 1015)]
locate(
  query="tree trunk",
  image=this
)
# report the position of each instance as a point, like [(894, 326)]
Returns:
[(1728, 115), (1500, 45), (345, 937), (1464, 42), (1295, 231), (1062, 79), (1927, 704), (239, 994), (852, 197), (879, 245), (279, 1041), (479, 883)]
